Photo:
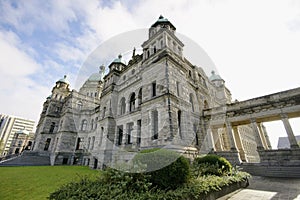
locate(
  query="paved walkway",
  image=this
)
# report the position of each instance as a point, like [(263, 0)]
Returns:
[(263, 188)]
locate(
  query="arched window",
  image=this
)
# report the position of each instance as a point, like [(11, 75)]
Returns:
[(206, 106), (52, 126), (89, 142), (83, 125), (132, 103), (122, 106), (140, 97), (192, 102), (79, 105)]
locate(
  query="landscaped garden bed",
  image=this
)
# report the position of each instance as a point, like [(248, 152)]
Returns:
[(206, 178)]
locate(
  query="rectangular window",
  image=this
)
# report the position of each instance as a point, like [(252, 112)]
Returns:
[(47, 144), (153, 89), (155, 124), (120, 134), (129, 133), (177, 87), (139, 128), (179, 122)]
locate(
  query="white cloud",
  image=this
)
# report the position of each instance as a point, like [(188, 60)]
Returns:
[(18, 93)]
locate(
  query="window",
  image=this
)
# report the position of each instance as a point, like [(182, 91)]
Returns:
[(196, 135), (95, 94), (190, 74), (93, 142), (52, 126), (139, 127), (140, 96), (179, 122), (132, 103), (155, 124), (205, 105), (132, 71), (96, 121), (161, 44), (129, 130), (177, 87), (89, 142), (101, 136), (83, 125), (78, 143), (92, 124), (120, 134), (192, 102), (123, 106), (153, 89), (79, 105), (148, 53), (47, 144), (104, 110), (154, 49)]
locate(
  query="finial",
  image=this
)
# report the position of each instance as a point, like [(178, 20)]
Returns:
[(120, 56), (160, 17), (101, 68), (65, 76), (133, 53), (213, 72)]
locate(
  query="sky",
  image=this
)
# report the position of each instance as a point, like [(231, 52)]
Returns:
[(254, 44)]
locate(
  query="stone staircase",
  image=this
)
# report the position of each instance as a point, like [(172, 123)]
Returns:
[(27, 158), (255, 169)]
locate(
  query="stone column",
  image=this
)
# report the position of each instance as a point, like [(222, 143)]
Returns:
[(239, 143), (230, 136), (210, 140), (289, 131), (263, 136), (257, 135), (216, 139)]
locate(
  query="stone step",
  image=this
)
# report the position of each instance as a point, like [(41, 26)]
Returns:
[(273, 171), (27, 159)]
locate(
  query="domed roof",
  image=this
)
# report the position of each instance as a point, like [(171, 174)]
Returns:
[(64, 80), (215, 77), (95, 77), (49, 97), (162, 20)]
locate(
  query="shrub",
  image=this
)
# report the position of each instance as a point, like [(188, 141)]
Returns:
[(211, 165), (167, 168)]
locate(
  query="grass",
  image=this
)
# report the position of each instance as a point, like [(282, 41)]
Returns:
[(39, 181)]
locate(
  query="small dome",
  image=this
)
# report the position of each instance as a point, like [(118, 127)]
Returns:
[(118, 60), (163, 21), (64, 80), (215, 77)]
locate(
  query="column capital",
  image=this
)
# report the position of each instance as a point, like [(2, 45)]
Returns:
[(284, 116)]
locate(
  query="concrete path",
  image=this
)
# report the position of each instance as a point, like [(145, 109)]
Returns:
[(263, 188)]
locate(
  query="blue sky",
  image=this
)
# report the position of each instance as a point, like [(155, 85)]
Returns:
[(254, 44)]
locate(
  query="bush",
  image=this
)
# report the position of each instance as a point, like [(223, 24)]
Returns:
[(167, 169), (211, 165)]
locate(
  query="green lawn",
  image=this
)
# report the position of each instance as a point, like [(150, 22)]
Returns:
[(39, 181)]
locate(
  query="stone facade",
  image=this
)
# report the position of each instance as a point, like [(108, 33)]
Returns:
[(156, 100)]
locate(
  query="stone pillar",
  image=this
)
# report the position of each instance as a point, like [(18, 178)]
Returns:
[(239, 143), (210, 140), (217, 139), (230, 136), (289, 131), (257, 135), (263, 136)]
